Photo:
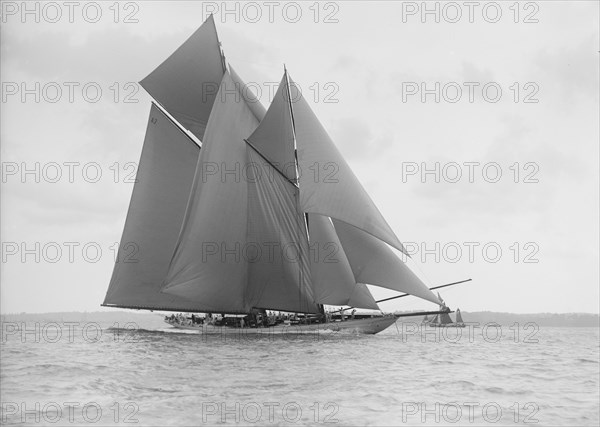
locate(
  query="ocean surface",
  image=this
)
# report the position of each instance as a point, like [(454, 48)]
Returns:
[(93, 373)]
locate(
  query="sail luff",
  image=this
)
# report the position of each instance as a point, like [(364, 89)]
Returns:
[(300, 215)]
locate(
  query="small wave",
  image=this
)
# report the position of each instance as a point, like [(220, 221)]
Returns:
[(495, 390)]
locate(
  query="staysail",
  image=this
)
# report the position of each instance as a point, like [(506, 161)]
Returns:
[(333, 280), (279, 275), (160, 194), (275, 135), (186, 83), (327, 184), (373, 262)]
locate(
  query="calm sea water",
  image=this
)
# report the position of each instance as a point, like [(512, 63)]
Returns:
[(91, 374)]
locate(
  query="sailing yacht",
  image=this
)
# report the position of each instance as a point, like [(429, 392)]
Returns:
[(443, 319), (237, 209)]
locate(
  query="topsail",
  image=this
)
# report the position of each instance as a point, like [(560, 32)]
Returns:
[(187, 82)]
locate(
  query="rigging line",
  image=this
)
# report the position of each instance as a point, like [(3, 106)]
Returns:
[(420, 270), (431, 289), (270, 163), (406, 295)]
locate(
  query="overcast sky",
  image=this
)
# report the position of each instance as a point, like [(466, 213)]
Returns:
[(545, 224)]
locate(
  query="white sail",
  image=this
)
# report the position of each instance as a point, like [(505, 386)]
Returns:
[(362, 298), (251, 100), (274, 137), (236, 249), (332, 276), (279, 275), (223, 229), (441, 300), (208, 266), (373, 262), (186, 83), (327, 184), (158, 203)]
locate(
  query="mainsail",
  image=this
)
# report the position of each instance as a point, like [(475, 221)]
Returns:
[(164, 179), (246, 222)]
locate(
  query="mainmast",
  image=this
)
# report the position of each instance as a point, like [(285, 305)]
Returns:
[(302, 225)]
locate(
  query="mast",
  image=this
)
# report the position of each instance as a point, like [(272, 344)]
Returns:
[(221, 50), (299, 213)]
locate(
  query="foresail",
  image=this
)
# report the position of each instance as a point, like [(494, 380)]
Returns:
[(187, 82), (333, 280), (208, 265), (327, 184), (373, 262), (164, 179), (277, 245), (362, 298), (459, 318), (274, 137)]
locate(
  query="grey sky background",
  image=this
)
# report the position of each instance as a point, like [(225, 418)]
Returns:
[(363, 62)]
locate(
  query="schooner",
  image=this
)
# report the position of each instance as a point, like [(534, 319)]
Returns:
[(228, 215)]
